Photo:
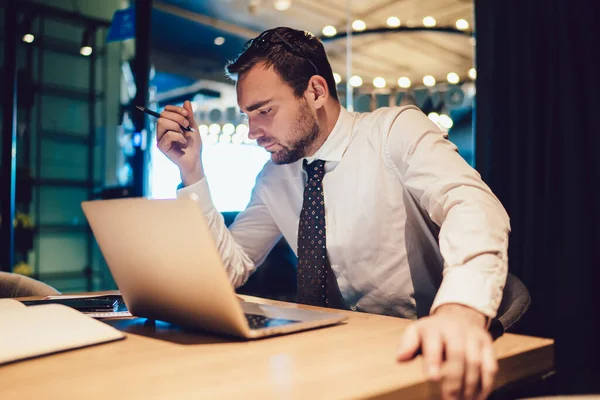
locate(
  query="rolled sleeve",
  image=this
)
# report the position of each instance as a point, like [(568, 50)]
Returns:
[(474, 226), (200, 193)]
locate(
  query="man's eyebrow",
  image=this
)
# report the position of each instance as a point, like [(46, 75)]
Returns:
[(257, 105)]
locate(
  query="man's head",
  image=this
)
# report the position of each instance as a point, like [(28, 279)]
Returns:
[(283, 80)]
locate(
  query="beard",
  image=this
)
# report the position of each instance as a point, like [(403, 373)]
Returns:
[(305, 132)]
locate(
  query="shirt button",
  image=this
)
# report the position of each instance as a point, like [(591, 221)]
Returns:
[(353, 307)]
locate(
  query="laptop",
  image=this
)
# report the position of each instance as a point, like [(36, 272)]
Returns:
[(165, 262)]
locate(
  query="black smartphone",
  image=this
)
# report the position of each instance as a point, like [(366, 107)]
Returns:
[(84, 304)]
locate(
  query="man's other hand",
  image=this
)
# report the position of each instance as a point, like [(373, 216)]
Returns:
[(457, 351)]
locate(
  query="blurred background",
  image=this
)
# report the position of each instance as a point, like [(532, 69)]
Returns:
[(73, 71), (80, 68)]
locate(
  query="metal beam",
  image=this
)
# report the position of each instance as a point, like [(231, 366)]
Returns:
[(141, 71), (205, 20), (9, 138)]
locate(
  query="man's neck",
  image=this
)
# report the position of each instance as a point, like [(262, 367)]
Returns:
[(327, 117)]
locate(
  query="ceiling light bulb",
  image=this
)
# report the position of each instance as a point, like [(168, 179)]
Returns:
[(393, 22), (214, 129), (428, 80), (282, 5), (241, 129), (203, 130), (462, 24), (429, 22), (453, 77), (379, 82), (435, 117), (85, 51), (446, 121), (359, 25), (356, 81), (237, 139), (329, 31), (228, 129), (404, 82), (28, 38)]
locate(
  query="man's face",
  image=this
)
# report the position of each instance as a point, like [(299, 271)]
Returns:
[(281, 123)]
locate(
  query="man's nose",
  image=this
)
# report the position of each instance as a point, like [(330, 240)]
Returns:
[(254, 132)]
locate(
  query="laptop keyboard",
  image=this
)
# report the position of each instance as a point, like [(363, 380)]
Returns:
[(260, 321)]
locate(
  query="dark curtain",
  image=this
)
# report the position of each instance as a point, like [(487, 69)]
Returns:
[(538, 147)]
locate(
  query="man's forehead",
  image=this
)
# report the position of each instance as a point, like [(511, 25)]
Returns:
[(256, 85)]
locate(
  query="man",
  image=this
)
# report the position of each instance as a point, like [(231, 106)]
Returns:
[(385, 184)]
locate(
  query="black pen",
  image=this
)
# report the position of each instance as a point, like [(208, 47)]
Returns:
[(157, 115)]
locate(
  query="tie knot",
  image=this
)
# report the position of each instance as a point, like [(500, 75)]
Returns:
[(315, 170)]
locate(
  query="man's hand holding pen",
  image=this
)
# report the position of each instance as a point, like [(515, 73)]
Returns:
[(181, 146)]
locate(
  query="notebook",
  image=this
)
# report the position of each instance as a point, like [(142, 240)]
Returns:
[(34, 331)]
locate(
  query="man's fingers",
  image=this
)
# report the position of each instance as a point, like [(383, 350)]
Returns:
[(473, 371), (173, 116), (489, 367), (166, 142), (177, 109), (187, 105), (433, 351), (164, 125), (410, 343), (453, 370)]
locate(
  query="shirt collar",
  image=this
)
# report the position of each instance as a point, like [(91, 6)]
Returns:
[(336, 143)]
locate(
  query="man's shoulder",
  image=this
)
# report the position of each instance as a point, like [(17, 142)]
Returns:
[(378, 123), (384, 116)]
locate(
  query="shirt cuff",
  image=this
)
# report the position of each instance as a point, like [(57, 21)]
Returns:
[(481, 291), (200, 193)]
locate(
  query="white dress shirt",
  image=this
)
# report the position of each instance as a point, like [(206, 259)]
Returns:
[(410, 225)]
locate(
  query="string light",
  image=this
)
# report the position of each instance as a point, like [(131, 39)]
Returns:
[(219, 40), (428, 80), (473, 73), (282, 5), (329, 31), (242, 129), (435, 117), (356, 81), (445, 121), (214, 129), (453, 77), (337, 78), (379, 82), (228, 129), (462, 24), (359, 25), (404, 82), (429, 22), (393, 22), (203, 129)]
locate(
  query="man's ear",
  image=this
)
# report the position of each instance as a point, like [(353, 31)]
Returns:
[(317, 91)]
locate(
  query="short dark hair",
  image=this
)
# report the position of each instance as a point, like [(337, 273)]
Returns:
[(295, 55)]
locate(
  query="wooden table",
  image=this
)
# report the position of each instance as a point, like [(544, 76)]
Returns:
[(159, 361)]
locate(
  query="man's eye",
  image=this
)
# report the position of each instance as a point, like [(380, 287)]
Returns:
[(265, 112)]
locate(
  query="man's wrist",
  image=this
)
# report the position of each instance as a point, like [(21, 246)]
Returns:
[(192, 177), (467, 312)]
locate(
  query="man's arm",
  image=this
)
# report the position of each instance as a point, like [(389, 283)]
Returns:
[(474, 226), (254, 232), (473, 239), (249, 239)]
